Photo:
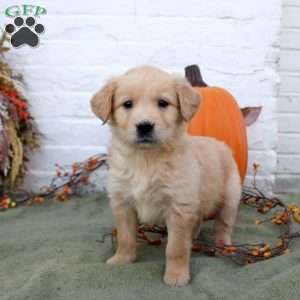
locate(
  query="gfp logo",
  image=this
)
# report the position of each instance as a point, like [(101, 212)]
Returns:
[(24, 30)]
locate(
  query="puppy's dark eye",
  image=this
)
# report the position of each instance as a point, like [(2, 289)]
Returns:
[(162, 103), (128, 104)]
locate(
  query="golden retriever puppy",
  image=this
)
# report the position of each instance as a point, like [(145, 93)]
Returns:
[(158, 173)]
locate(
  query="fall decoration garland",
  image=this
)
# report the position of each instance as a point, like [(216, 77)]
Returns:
[(68, 181), (65, 183)]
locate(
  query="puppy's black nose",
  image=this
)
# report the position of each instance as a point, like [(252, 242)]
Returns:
[(144, 128)]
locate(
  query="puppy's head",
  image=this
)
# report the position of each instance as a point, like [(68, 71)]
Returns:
[(146, 106)]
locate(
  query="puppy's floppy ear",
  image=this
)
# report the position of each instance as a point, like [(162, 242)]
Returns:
[(102, 101), (188, 98)]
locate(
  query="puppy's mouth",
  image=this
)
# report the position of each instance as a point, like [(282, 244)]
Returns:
[(146, 141)]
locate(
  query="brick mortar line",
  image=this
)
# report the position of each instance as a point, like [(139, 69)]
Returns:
[(295, 134), (288, 50), (289, 73), (288, 113), (290, 27), (289, 94), (287, 175), (283, 155)]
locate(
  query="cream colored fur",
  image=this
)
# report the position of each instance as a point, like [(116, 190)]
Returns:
[(178, 180)]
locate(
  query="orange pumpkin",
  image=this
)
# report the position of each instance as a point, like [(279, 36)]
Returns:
[(219, 116)]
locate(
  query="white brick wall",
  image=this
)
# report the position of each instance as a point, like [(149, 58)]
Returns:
[(288, 168), (234, 42)]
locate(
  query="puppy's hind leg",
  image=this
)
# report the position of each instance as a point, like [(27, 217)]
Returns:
[(225, 218)]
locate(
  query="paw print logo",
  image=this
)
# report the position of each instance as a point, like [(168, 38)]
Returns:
[(24, 33)]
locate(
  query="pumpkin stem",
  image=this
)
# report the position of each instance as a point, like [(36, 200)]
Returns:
[(193, 75)]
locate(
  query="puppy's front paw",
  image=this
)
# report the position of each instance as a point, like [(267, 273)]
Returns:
[(120, 259), (177, 279)]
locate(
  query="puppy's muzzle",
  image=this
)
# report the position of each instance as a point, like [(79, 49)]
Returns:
[(145, 132)]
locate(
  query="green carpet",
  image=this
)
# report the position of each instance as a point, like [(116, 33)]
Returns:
[(52, 251)]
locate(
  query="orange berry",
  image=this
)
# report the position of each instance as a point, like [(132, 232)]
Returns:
[(5, 201), (267, 254), (38, 199), (277, 221), (292, 207), (296, 216), (279, 243), (258, 222), (255, 252), (265, 248), (231, 249), (269, 204)]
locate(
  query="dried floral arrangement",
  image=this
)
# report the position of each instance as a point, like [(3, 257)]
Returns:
[(65, 183), (18, 132)]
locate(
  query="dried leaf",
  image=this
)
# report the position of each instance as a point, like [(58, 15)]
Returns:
[(258, 222), (251, 114), (16, 149)]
